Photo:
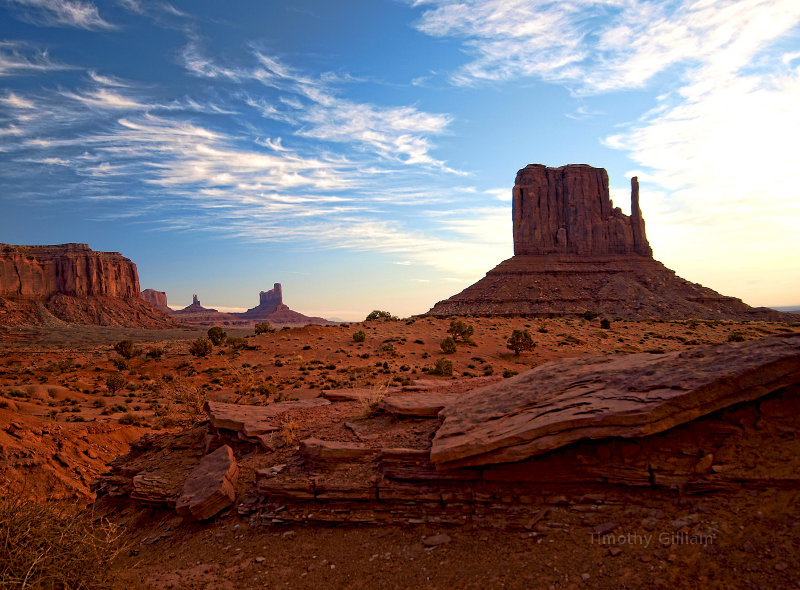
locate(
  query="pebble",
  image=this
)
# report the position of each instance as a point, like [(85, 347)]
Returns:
[(585, 576), (435, 540), (260, 559)]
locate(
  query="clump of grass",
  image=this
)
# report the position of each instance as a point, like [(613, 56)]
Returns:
[(370, 405), (289, 431), (53, 545)]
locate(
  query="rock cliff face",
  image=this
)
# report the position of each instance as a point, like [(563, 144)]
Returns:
[(38, 272), (573, 252), (567, 210), (72, 283), (157, 299)]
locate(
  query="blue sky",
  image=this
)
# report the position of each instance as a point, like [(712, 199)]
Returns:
[(362, 152)]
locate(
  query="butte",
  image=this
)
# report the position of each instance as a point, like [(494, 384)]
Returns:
[(574, 251)]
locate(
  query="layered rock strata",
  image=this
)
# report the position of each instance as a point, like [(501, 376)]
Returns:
[(71, 283), (157, 299), (574, 251)]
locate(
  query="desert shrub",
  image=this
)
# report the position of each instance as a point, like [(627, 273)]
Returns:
[(460, 330), (115, 382), (380, 315), (61, 366), (53, 545), (359, 336), (443, 367), (130, 419), (265, 389), (520, 341), (387, 347), (589, 314), (488, 370), (154, 353), (237, 343), (736, 337), (605, 323), (448, 345), (217, 335), (200, 347), (370, 405), (509, 373), (121, 364), (263, 328), (187, 401), (127, 349)]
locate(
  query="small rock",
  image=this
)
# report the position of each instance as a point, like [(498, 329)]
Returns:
[(260, 559), (614, 551), (435, 540), (606, 527), (781, 566), (585, 577), (289, 534), (748, 547)]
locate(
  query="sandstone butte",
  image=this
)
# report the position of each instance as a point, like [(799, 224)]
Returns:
[(270, 309), (574, 251), (72, 283)]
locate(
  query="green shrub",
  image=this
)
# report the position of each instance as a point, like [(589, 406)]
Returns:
[(605, 323), (359, 336), (115, 382), (217, 335), (520, 341), (263, 328), (448, 345), (126, 349), (237, 343), (589, 314), (200, 347), (736, 337), (443, 367), (155, 353), (380, 315), (460, 330)]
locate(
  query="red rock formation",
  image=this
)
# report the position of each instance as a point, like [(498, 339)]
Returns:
[(573, 252), (195, 307), (72, 283), (157, 299), (38, 272), (568, 210)]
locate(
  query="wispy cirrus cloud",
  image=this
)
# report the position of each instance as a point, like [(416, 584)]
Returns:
[(18, 58), (60, 13), (314, 108)]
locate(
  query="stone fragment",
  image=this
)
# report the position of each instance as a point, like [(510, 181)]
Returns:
[(435, 540), (419, 405), (323, 451), (210, 487)]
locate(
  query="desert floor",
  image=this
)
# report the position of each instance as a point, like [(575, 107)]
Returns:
[(69, 404)]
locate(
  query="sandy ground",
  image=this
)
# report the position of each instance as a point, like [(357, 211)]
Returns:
[(61, 422)]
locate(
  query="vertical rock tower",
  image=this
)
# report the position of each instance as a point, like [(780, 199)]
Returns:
[(574, 251)]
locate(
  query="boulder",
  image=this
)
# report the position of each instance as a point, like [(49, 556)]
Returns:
[(210, 487), (595, 397)]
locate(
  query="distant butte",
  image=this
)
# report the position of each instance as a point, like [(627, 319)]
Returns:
[(270, 309), (574, 251), (45, 285)]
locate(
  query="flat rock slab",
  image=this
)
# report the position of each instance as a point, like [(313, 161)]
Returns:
[(254, 420), (420, 405), (210, 487), (326, 451), (355, 394), (596, 397)]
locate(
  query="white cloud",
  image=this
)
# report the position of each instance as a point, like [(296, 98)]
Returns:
[(19, 58), (61, 13), (16, 101)]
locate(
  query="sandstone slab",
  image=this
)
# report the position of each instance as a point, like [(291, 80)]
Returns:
[(596, 397), (419, 405), (324, 451), (254, 420), (355, 394), (210, 487)]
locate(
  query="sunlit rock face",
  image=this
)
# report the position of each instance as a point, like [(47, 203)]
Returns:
[(574, 251)]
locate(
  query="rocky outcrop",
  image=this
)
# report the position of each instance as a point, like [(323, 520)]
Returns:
[(42, 285), (195, 307), (157, 299), (568, 210), (39, 272), (562, 402), (574, 251)]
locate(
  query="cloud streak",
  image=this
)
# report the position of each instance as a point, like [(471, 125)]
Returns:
[(61, 13)]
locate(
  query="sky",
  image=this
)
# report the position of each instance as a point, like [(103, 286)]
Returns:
[(362, 152)]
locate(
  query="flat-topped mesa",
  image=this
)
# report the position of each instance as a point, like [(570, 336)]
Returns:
[(39, 272), (568, 210), (157, 299)]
